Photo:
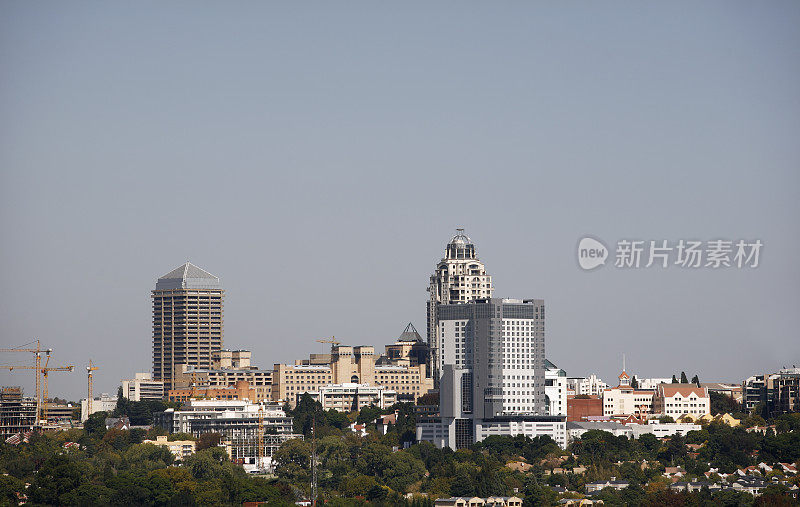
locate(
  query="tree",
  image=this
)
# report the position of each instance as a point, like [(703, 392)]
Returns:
[(428, 399), (292, 461), (9, 487), (696, 381), (635, 382), (208, 440), (368, 414), (722, 404), (684, 380), (674, 380), (666, 419), (96, 424)]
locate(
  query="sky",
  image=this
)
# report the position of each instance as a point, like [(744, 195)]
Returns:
[(318, 156)]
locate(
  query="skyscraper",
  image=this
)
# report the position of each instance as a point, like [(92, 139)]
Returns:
[(492, 373), (459, 278), (187, 321)]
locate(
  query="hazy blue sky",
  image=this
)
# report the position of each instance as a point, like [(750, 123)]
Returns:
[(318, 157)]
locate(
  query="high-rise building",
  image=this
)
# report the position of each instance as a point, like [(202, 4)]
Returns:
[(187, 321), (492, 363), (459, 278)]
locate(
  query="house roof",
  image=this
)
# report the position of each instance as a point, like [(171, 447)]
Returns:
[(685, 390)]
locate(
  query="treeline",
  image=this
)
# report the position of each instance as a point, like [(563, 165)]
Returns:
[(114, 468), (96, 466), (376, 469)]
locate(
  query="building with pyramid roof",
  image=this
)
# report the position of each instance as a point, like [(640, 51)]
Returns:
[(187, 321)]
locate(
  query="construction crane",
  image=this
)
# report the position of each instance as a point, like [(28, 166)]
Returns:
[(89, 397), (37, 354), (41, 402), (332, 341), (45, 371), (260, 439)]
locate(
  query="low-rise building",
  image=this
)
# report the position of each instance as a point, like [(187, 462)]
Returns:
[(179, 448), (662, 430), (676, 400), (260, 381), (778, 392), (730, 390), (650, 384), (583, 407), (625, 400), (241, 391), (727, 419), (591, 385), (348, 365), (142, 387), (492, 501), (104, 403), (351, 397), (576, 430), (238, 421), (59, 412), (601, 485)]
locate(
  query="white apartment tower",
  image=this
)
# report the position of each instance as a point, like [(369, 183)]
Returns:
[(493, 379), (459, 278)]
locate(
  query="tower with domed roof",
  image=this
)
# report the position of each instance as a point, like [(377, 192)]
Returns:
[(459, 278)]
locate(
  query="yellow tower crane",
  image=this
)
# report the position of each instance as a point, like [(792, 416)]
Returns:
[(41, 403), (260, 439), (37, 366), (89, 369), (332, 341)]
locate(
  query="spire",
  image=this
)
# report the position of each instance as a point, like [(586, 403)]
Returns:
[(410, 334)]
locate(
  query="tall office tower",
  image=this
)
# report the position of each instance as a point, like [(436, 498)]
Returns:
[(492, 364), (187, 321), (459, 278)]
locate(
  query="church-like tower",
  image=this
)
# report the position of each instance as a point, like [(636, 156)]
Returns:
[(459, 277)]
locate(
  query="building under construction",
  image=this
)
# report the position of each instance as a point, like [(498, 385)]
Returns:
[(244, 426), (17, 414)]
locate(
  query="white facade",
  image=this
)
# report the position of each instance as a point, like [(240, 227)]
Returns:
[(493, 374), (104, 403), (591, 385), (576, 430), (520, 363), (349, 397), (557, 430), (676, 400), (651, 383), (663, 429), (555, 390), (142, 387), (627, 401)]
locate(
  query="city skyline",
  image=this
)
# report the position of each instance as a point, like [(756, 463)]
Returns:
[(318, 161)]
